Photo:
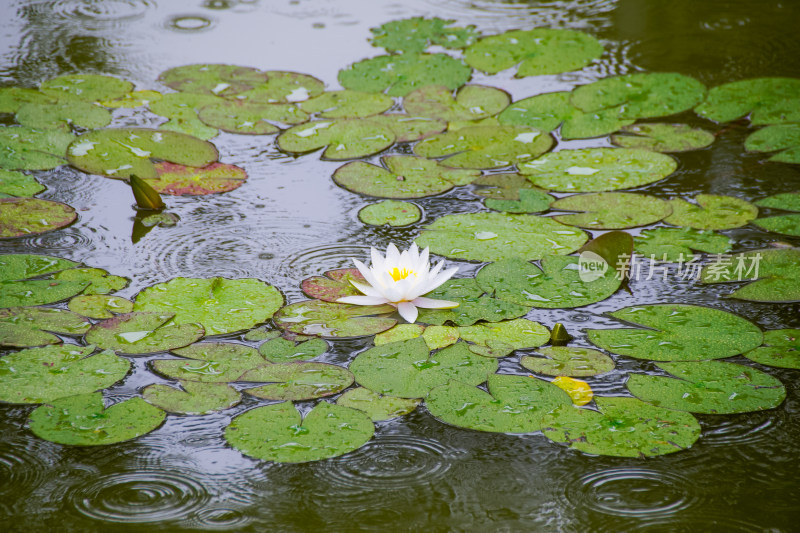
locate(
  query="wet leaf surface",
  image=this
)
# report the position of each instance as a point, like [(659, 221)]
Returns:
[(210, 362), (776, 278), (766, 100), (298, 381), (63, 114), (283, 351), (195, 398), (377, 407), (249, 118), (99, 280), (143, 333), (178, 180), (347, 104), (86, 87), (568, 361), (20, 217), (676, 244), (711, 212), (345, 139), (332, 320), (18, 184), (611, 210), (333, 285), (99, 306), (781, 349), (492, 340), (29, 326), (398, 75), (473, 305), (33, 149), (784, 139), (471, 102), (663, 137), (212, 79), (414, 35), (390, 212)]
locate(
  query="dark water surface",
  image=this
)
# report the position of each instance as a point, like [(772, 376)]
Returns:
[(290, 221)]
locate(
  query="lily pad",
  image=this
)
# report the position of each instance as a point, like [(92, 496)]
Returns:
[(774, 275), (623, 427), (414, 35), (283, 351), (38, 375), (768, 100), (598, 169), (132, 100), (345, 139), (401, 332), (195, 398), (784, 138), (347, 104), (142, 333), (530, 201), (333, 285), (126, 152), (407, 369), (63, 114), (537, 52), (676, 244), (390, 212), (185, 106), (473, 305), (785, 224), (709, 387), (12, 98), (781, 349), (86, 87), (283, 87), (249, 118), (485, 147), (663, 137), (100, 281), (18, 184), (99, 305), (501, 338), (17, 290), (192, 127), (24, 266), (471, 102), (210, 362), (334, 320), (613, 247), (678, 333), (220, 305), (212, 79), (568, 361), (279, 433), (83, 420), (20, 217), (502, 186), (31, 149), (398, 75), (611, 210), (495, 236), (579, 391), (178, 180), (407, 128), (711, 212), (377, 407), (298, 381), (25, 326), (437, 337)]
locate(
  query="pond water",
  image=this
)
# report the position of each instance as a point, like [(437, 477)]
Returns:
[(290, 221)]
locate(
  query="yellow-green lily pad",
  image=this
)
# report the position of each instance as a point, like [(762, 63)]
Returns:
[(473, 305), (766, 100), (33, 149), (248, 118), (676, 244), (20, 217), (86, 87), (194, 399), (99, 306), (179, 180), (298, 381), (345, 139), (773, 275), (34, 326), (100, 281), (711, 212), (210, 362), (785, 224), (347, 104), (281, 350), (17, 184), (398, 75), (377, 407), (212, 79), (143, 333), (663, 137), (415, 34), (783, 138), (781, 349), (568, 361), (390, 212), (611, 210), (63, 114), (471, 102), (501, 338)]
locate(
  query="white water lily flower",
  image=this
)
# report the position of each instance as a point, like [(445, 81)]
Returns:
[(401, 279)]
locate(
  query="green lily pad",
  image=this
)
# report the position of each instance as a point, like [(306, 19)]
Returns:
[(283, 87), (377, 407), (220, 305), (398, 75), (333, 285), (414, 35), (38, 375), (546, 111), (709, 387), (125, 152), (63, 114), (12, 98), (18, 184), (559, 283), (345, 139), (210, 362), (785, 224), (598, 169), (568, 361), (142, 333), (473, 305), (30, 149), (29, 326), (83, 420), (100, 281), (678, 333), (537, 52), (407, 128), (615, 248), (132, 100), (768, 100), (23, 266), (407, 369), (711, 212), (501, 338), (774, 274), (298, 381), (401, 332), (17, 290), (512, 193), (485, 147), (676, 244), (623, 427), (263, 333), (279, 433), (347, 104), (99, 305), (406, 177), (86, 87), (784, 138), (284, 351), (179, 180), (334, 320), (789, 201), (781, 349), (20, 217), (437, 337), (471, 102), (495, 236), (530, 201), (162, 220), (663, 137), (611, 210), (184, 106), (640, 95), (249, 118), (195, 398), (212, 79), (192, 127), (390, 212)]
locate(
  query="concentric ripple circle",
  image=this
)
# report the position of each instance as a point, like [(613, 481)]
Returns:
[(23, 467), (107, 10)]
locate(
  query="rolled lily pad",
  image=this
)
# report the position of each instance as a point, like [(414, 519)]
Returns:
[(390, 212), (407, 128), (99, 305), (347, 104), (537, 52), (195, 398), (514, 404), (143, 333), (220, 305), (678, 333), (492, 340), (83, 420), (100, 281), (546, 111), (333, 285), (25, 326), (211, 362), (283, 87), (495, 236), (407, 369), (213, 79), (30, 149), (623, 427), (332, 320), (377, 407), (767, 100), (598, 169), (471, 102), (406, 177), (784, 138), (414, 35), (559, 283), (398, 75), (63, 114), (18, 184), (663, 137), (611, 210), (473, 305), (640, 95), (486, 146), (711, 212), (676, 244), (132, 100), (709, 387), (345, 139), (12, 98), (774, 274), (249, 118), (284, 351), (568, 361), (298, 381), (179, 180), (785, 224), (279, 433), (126, 152), (781, 349), (38, 375), (86, 87), (20, 217)]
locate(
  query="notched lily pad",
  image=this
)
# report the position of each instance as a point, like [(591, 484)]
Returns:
[(213, 79), (333, 285), (663, 137), (195, 398), (178, 180), (332, 320), (471, 102), (784, 139), (18, 184), (781, 349), (773, 274), (284, 351), (210, 362), (86, 87), (568, 361), (407, 128), (31, 216), (398, 75), (768, 100), (711, 212), (502, 338), (99, 305), (99, 280), (24, 266), (33, 149), (611, 210), (415, 34), (283, 87), (390, 212), (143, 333), (377, 407), (785, 224), (345, 139), (347, 104), (17, 290), (63, 114), (473, 305), (676, 244), (248, 118), (298, 381), (34, 326)]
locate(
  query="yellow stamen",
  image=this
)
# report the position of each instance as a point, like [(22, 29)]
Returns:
[(398, 274)]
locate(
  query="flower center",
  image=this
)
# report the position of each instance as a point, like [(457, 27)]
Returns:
[(398, 274)]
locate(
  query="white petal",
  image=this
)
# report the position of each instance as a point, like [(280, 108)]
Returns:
[(441, 278), (367, 273), (392, 254), (362, 300), (366, 289), (430, 303), (377, 259), (407, 311), (424, 258)]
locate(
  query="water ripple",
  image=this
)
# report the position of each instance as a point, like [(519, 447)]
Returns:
[(24, 465), (93, 12), (219, 518)]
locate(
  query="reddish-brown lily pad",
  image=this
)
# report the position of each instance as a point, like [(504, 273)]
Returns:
[(31, 216), (180, 180), (333, 285)]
